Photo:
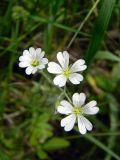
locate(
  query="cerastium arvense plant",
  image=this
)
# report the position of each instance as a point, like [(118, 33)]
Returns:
[(76, 109)]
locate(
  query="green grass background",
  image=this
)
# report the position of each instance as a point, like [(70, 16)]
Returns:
[(29, 125)]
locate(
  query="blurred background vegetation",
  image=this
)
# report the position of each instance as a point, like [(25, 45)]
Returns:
[(29, 125)]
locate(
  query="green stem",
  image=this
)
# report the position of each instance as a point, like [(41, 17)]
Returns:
[(46, 77), (82, 24), (67, 94), (51, 83), (105, 134)]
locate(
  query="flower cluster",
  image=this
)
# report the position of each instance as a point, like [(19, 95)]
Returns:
[(33, 60)]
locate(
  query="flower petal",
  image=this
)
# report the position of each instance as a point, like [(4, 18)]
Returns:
[(76, 78), (44, 61), (25, 58), (32, 52), (27, 53), (34, 70), (65, 103), (81, 125), (29, 70), (75, 99), (65, 108), (91, 104), (82, 97), (40, 54), (66, 57), (91, 108), (87, 123), (78, 99), (54, 68), (68, 122), (24, 64), (38, 51), (41, 66), (63, 59), (78, 66), (60, 80)]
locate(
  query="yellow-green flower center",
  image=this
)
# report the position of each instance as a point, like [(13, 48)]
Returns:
[(67, 72), (35, 63), (77, 110)]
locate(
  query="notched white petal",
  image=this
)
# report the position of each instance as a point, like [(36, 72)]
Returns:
[(61, 59), (34, 70), (54, 68), (76, 99), (91, 108), (41, 66), (66, 57), (91, 104), (29, 70), (76, 78), (60, 80), (25, 58), (38, 50), (82, 98), (64, 110), (68, 122), (24, 64), (40, 54), (66, 104), (32, 52), (78, 66), (81, 125), (87, 123), (26, 53), (44, 61)]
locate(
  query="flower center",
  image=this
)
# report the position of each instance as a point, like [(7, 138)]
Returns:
[(77, 110), (35, 63), (67, 72)]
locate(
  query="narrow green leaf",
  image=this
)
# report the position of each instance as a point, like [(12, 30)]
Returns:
[(83, 23), (99, 29), (116, 73), (58, 25), (104, 83), (102, 146), (114, 113), (107, 56), (56, 143)]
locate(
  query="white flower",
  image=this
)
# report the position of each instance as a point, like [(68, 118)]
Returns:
[(32, 60), (77, 112), (65, 71)]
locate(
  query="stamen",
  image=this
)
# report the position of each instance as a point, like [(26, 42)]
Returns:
[(78, 110), (67, 72), (35, 63)]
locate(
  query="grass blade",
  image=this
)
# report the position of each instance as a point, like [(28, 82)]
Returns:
[(102, 146), (99, 29), (58, 25), (106, 55), (114, 123), (82, 24)]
